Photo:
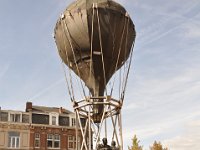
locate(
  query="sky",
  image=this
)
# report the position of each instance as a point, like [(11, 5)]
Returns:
[(162, 98)]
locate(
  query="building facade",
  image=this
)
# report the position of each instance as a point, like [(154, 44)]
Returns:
[(38, 128), (14, 130)]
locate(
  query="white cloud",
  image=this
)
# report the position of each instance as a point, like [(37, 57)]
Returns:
[(187, 141), (192, 30), (164, 128), (46, 90), (159, 107)]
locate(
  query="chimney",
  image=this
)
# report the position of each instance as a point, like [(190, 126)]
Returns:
[(28, 106), (60, 110)]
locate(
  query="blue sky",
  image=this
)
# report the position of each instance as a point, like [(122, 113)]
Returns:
[(162, 100)]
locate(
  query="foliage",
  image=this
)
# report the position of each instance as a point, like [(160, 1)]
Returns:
[(135, 144), (157, 146)]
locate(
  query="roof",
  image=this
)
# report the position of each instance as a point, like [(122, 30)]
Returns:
[(44, 109)]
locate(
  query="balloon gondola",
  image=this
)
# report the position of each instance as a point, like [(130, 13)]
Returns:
[(95, 39)]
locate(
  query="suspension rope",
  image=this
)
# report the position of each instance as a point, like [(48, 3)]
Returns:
[(120, 80), (126, 63), (124, 88), (74, 58), (63, 67), (113, 39), (65, 76), (119, 51), (69, 70), (100, 38), (70, 74), (91, 47)]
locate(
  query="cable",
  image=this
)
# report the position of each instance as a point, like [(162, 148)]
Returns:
[(74, 58), (102, 56)]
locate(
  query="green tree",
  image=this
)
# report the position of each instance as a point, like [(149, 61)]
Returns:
[(157, 146), (135, 144)]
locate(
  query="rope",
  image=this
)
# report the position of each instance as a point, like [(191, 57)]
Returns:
[(119, 53), (72, 98), (74, 58), (126, 64), (129, 65), (102, 56), (124, 89), (91, 46), (120, 80), (113, 41), (69, 70), (71, 92)]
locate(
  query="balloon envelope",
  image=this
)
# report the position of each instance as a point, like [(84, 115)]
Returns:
[(94, 39)]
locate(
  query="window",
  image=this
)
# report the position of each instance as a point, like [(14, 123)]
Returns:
[(25, 118), (13, 140), (15, 117), (3, 116), (53, 119), (53, 141), (73, 122), (37, 140), (56, 141), (63, 121), (40, 119), (49, 140), (72, 142)]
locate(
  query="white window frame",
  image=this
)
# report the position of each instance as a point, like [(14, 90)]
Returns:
[(51, 116), (53, 140), (12, 142), (49, 139), (56, 140), (73, 122), (72, 139), (15, 114), (37, 138)]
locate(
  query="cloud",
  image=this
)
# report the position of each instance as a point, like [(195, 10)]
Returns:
[(159, 107), (164, 128), (162, 21), (192, 30), (46, 90), (189, 140)]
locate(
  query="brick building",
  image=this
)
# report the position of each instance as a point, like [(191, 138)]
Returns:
[(38, 128)]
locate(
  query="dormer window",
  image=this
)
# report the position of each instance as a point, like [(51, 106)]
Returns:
[(15, 117), (53, 120)]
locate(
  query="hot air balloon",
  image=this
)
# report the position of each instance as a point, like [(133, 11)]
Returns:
[(94, 39)]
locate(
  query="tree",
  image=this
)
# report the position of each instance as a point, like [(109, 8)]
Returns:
[(135, 144), (157, 146)]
